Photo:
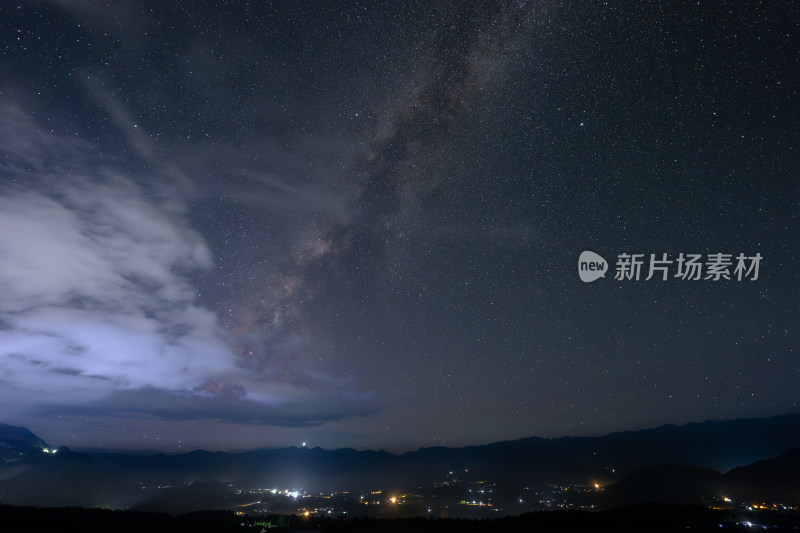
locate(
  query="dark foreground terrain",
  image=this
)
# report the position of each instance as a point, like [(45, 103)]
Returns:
[(638, 518)]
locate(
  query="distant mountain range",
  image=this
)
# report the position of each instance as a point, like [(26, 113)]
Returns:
[(761, 458)]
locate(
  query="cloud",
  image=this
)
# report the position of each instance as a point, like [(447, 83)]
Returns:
[(99, 314), (297, 407), (97, 294), (277, 195), (27, 148), (277, 179)]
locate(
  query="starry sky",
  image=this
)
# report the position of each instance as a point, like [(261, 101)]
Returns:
[(235, 225)]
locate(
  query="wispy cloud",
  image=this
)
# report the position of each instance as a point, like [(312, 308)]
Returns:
[(295, 407)]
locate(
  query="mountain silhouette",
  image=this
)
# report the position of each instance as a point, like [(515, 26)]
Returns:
[(670, 464), (17, 441), (773, 479)]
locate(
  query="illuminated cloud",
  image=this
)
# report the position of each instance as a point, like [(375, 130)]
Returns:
[(96, 294), (99, 314)]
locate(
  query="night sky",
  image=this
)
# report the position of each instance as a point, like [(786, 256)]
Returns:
[(358, 223)]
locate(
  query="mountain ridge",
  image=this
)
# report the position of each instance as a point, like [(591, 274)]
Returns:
[(630, 460), (657, 430)]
